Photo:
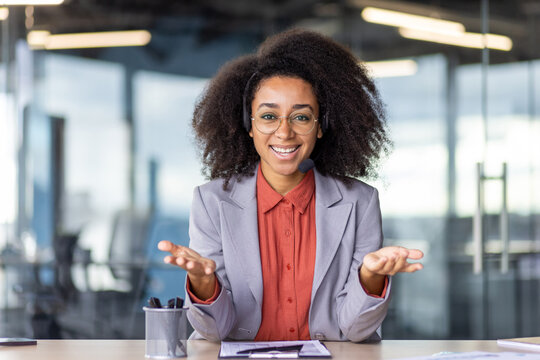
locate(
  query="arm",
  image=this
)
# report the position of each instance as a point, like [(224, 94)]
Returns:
[(360, 314), (203, 261)]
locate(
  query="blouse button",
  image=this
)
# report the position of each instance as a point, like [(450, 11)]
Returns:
[(288, 232), (290, 300), (289, 266), (291, 330)]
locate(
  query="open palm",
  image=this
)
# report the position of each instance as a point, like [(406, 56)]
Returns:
[(391, 260)]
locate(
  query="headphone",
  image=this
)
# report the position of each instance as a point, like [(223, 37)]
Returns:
[(247, 119)]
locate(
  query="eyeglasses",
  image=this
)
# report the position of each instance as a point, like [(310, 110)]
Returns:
[(301, 122)]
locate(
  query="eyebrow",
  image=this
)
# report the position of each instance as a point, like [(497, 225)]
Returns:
[(276, 106)]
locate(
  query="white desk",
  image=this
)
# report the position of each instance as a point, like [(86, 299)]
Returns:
[(204, 350)]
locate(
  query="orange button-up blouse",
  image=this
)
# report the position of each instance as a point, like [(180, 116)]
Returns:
[(287, 241)]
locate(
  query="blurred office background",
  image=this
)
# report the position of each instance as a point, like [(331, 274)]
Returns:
[(97, 159)]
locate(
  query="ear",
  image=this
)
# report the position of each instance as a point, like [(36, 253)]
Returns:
[(251, 132), (319, 132)]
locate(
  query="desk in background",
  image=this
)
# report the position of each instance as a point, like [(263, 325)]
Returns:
[(204, 350)]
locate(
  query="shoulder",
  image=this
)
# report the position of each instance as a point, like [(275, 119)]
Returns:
[(212, 191), (350, 188), (357, 187), (239, 187)]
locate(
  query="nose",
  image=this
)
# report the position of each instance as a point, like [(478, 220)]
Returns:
[(284, 129)]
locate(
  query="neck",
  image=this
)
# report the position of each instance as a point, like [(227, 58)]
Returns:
[(282, 183)]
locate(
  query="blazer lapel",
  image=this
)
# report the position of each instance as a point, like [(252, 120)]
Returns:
[(240, 216), (330, 223)]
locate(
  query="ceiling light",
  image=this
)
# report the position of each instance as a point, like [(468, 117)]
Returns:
[(392, 68), (410, 21), (44, 40), (37, 38), (467, 39), (4, 13), (30, 2)]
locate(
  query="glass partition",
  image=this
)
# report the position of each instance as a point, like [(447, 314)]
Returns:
[(98, 163), (167, 168)]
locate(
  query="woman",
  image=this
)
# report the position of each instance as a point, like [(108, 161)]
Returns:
[(280, 250)]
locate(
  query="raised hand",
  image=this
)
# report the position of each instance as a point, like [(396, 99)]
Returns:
[(200, 269), (392, 259), (388, 260)]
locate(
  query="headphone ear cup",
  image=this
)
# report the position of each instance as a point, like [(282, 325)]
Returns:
[(324, 122), (247, 120)]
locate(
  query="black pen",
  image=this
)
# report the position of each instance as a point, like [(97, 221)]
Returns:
[(154, 303), (273, 348)]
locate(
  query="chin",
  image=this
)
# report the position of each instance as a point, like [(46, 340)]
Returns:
[(286, 170)]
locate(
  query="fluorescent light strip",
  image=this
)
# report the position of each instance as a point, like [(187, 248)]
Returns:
[(43, 39), (467, 39), (36, 39), (30, 2), (410, 21), (4, 13), (392, 68)]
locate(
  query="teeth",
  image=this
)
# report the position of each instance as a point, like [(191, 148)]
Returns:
[(283, 150)]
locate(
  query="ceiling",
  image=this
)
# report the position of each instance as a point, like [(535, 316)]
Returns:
[(211, 20)]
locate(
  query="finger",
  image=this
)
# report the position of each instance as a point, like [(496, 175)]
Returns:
[(210, 266), (376, 264), (169, 259), (197, 268), (182, 251), (176, 250), (165, 245), (190, 264), (391, 266), (413, 267), (199, 263), (403, 252), (400, 264), (415, 254), (397, 260), (180, 261), (186, 251), (189, 255)]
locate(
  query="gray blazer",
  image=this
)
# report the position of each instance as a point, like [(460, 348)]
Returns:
[(223, 227)]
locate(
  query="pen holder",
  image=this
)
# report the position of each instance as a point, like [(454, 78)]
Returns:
[(166, 333)]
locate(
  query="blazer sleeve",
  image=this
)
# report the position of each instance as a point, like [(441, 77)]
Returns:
[(213, 321), (359, 314)]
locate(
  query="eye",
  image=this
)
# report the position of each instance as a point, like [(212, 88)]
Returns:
[(268, 116), (301, 117)]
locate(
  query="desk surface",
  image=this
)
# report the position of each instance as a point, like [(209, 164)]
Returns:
[(204, 350)]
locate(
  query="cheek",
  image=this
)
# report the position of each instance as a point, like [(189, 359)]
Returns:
[(313, 141), (258, 141)]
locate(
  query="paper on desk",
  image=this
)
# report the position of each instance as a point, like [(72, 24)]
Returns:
[(311, 348), (478, 355)]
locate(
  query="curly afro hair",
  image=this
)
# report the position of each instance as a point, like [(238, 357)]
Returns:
[(349, 103)]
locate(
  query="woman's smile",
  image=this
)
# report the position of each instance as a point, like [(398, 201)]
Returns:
[(285, 152)]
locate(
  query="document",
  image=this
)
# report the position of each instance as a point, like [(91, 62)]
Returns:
[(528, 343), (274, 349), (477, 355)]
